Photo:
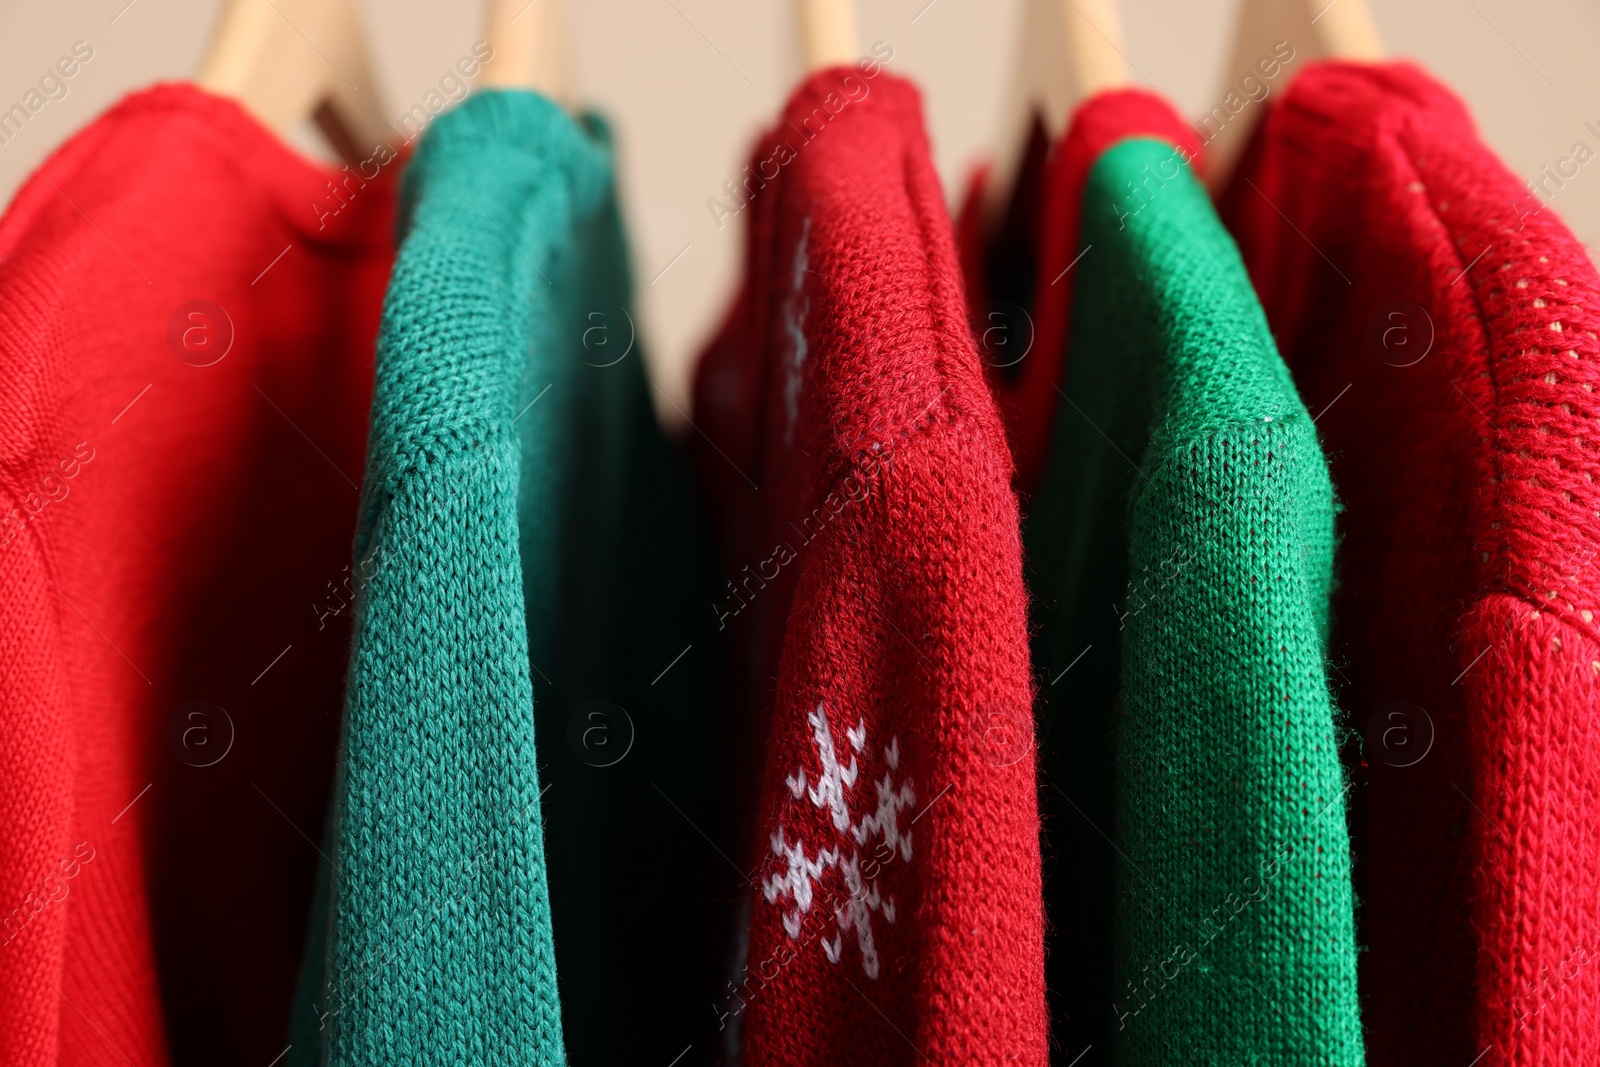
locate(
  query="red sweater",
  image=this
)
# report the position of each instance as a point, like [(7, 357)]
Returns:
[(1031, 260), (176, 509), (1444, 327), (875, 602)]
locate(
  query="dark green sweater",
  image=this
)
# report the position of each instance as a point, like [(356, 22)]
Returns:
[(518, 725), (1182, 543)]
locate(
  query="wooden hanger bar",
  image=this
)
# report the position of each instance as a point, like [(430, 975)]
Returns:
[(1091, 32), (828, 33), (531, 47), (1347, 31), (1069, 50), (1314, 29), (287, 60)]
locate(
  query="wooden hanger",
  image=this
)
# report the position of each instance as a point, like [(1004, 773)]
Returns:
[(828, 33), (1069, 50), (1315, 29), (286, 60), (530, 41)]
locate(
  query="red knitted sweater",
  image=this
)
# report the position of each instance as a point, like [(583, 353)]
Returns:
[(860, 472), (176, 511), (1444, 327), (1025, 356)]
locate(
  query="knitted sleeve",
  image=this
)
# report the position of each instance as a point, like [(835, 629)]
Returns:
[(1235, 921), (438, 942), (1530, 700), (900, 877), (896, 916), (1184, 455)]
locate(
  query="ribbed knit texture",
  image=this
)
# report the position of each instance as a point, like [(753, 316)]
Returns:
[(1374, 221), (168, 534), (875, 601), (520, 503), (1180, 550)]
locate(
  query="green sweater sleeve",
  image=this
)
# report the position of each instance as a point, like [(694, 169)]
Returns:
[(438, 943), (1184, 534), (534, 681)]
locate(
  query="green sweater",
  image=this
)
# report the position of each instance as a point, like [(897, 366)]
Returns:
[(529, 570), (1182, 542)]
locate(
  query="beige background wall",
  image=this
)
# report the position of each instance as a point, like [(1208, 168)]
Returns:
[(687, 83)]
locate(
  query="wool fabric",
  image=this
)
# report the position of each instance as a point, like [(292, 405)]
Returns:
[(1019, 278), (185, 368), (1443, 320), (860, 477), (524, 552), (1180, 551)]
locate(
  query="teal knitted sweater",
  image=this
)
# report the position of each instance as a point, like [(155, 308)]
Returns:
[(1181, 542), (527, 566)]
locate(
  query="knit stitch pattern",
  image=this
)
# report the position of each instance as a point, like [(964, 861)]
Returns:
[(1171, 358), (439, 945), (1411, 277), (877, 611), (1234, 922), (166, 530), (1031, 259), (1181, 550)]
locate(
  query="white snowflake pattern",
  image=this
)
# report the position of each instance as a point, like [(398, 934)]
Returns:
[(796, 881)]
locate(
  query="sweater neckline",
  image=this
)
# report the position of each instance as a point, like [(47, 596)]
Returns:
[(293, 183)]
